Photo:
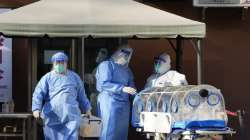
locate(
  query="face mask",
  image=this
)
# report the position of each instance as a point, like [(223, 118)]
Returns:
[(157, 67), (161, 68), (122, 61), (59, 68)]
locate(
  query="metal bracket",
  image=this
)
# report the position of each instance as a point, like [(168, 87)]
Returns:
[(172, 45), (244, 13), (197, 49), (203, 16)]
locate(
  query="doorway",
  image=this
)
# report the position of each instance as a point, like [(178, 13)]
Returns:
[(41, 51), (82, 55), (46, 48)]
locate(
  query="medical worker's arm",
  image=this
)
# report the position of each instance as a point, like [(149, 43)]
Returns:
[(39, 94), (104, 79), (131, 83), (180, 79), (82, 98), (184, 81)]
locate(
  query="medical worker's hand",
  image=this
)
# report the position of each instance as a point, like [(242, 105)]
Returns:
[(36, 114), (129, 90)]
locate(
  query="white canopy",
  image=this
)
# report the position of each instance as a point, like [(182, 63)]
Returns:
[(97, 18)]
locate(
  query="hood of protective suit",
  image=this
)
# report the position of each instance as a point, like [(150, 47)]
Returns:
[(122, 56), (102, 55), (59, 56), (162, 63)]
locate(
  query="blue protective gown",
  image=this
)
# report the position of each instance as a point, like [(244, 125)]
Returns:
[(62, 96), (113, 104)]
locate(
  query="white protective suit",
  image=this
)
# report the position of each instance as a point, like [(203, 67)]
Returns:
[(163, 76)]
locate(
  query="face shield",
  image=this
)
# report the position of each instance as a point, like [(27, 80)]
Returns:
[(122, 56), (59, 61), (60, 56), (162, 63)]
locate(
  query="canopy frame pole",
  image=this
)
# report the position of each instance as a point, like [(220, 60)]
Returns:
[(179, 53), (32, 76), (29, 76), (178, 48), (73, 54), (199, 51), (30, 89), (82, 57), (172, 44)]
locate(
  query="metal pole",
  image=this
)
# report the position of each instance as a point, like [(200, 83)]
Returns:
[(82, 56), (24, 129), (30, 82), (203, 14), (32, 78), (29, 74), (32, 69), (179, 53), (199, 63), (73, 54), (244, 13)]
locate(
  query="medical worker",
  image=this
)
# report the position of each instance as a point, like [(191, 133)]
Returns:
[(115, 83), (57, 98), (89, 78), (163, 76)]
